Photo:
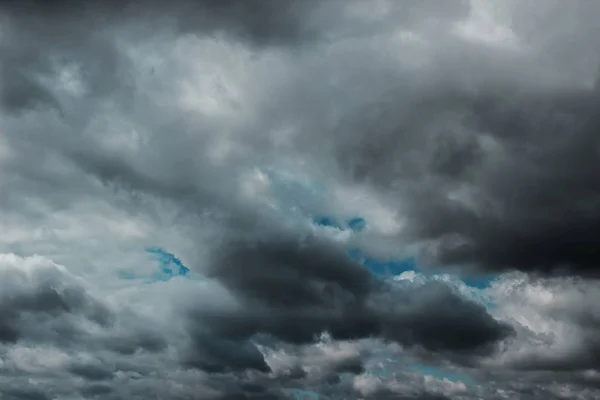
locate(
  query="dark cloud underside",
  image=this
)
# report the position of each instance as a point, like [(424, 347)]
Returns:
[(463, 133)]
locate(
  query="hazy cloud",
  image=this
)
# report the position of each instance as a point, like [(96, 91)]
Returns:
[(461, 135)]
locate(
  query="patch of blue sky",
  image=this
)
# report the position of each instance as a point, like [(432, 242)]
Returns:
[(379, 267), (439, 373), (356, 224), (479, 281), (303, 394), (327, 222), (383, 267), (475, 280), (394, 266), (388, 267), (169, 265)]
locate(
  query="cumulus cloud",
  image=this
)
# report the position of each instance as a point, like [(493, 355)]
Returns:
[(296, 291), (39, 303), (255, 148)]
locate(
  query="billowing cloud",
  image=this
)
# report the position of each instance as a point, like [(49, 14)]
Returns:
[(319, 184), (296, 291), (39, 303)]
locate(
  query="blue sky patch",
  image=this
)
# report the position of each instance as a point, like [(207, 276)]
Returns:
[(357, 224), (440, 374), (479, 281), (327, 222), (169, 265), (388, 267), (383, 267), (380, 267)]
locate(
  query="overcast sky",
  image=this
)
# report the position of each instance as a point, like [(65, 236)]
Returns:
[(299, 199)]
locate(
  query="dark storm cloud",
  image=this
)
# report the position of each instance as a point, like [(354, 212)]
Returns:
[(20, 92), (353, 365), (246, 386), (92, 372), (24, 394), (240, 395), (97, 389), (525, 161), (41, 36), (288, 272), (261, 22), (533, 208), (214, 354), (420, 315), (486, 147), (528, 154), (543, 199), (46, 310), (298, 290), (36, 45)]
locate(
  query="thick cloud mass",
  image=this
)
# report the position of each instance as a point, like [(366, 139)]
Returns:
[(297, 291), (276, 151), (39, 303)]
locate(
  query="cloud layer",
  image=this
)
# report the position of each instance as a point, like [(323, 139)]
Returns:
[(274, 158)]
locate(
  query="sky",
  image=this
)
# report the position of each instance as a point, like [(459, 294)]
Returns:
[(299, 199)]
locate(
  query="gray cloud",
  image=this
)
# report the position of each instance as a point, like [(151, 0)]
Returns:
[(570, 345), (97, 390), (217, 355), (516, 160), (44, 34), (91, 372), (463, 133), (44, 305), (298, 290), (25, 394)]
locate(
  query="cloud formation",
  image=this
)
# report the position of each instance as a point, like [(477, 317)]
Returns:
[(278, 149)]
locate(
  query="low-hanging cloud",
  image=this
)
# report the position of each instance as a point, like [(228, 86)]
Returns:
[(459, 135)]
